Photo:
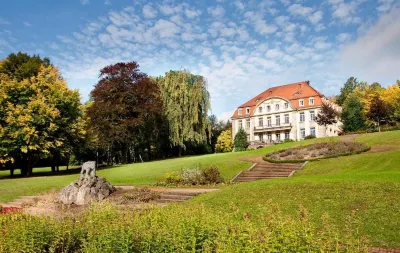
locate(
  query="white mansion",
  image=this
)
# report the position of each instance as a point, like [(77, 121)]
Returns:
[(283, 112)]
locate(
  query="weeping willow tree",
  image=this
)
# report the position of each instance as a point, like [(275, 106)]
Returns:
[(186, 103)]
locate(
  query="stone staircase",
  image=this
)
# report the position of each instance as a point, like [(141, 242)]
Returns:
[(168, 197), (267, 170)]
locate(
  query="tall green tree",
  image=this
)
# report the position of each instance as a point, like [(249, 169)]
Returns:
[(186, 103), (353, 117), (38, 115), (350, 85), (21, 65), (378, 110)]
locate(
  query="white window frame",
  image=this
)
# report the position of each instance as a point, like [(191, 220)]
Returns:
[(301, 102), (240, 111), (269, 122), (277, 107), (312, 131), (240, 124), (286, 105), (311, 101), (286, 118), (260, 120), (269, 137), (302, 117), (287, 135), (278, 136), (312, 115), (302, 133), (247, 123)]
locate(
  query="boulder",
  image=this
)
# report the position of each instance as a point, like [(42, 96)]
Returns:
[(87, 188)]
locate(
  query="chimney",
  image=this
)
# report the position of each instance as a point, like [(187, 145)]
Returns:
[(300, 85)]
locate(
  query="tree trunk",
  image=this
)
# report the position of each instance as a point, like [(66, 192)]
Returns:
[(179, 151), (149, 151)]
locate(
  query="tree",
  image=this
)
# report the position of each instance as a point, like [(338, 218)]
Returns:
[(124, 111), (240, 141), (378, 110), (186, 103), (327, 116), (353, 118), (21, 65), (224, 142), (38, 116), (391, 97), (350, 85)]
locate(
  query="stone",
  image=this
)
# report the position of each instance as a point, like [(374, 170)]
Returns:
[(87, 188)]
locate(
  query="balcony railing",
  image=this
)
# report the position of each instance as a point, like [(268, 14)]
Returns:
[(273, 126)]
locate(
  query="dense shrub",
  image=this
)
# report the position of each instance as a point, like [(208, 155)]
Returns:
[(194, 176), (141, 195), (224, 142), (308, 137), (240, 141), (176, 229), (316, 151)]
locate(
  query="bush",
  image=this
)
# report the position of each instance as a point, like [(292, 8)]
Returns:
[(103, 228), (224, 142), (173, 178), (212, 176), (240, 141), (141, 195), (194, 176), (308, 137)]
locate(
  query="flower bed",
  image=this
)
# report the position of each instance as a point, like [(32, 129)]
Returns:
[(7, 210), (316, 151)]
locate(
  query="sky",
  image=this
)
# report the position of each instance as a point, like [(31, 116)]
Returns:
[(241, 47)]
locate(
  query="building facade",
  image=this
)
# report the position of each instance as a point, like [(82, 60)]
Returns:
[(283, 112)]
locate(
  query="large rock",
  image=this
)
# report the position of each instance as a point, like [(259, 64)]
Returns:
[(87, 188)]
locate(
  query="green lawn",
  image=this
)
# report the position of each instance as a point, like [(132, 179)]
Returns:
[(367, 184)]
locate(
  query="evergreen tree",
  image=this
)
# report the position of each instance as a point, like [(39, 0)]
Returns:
[(350, 85), (186, 103), (240, 141), (353, 118)]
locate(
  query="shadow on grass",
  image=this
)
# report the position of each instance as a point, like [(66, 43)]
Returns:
[(64, 172)]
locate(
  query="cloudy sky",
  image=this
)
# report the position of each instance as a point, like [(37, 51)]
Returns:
[(241, 47)]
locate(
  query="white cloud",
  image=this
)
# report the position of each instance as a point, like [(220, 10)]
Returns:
[(316, 17), (27, 24), (375, 56), (239, 5), (384, 5), (149, 12), (4, 21), (342, 37), (216, 11), (298, 9), (85, 2), (166, 9), (346, 11), (192, 13), (165, 29), (260, 25), (274, 53)]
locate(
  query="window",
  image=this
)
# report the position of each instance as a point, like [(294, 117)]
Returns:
[(269, 137), (286, 118), (247, 110), (286, 105), (247, 123), (287, 135), (260, 137), (312, 115), (268, 108), (269, 121), (278, 120), (260, 122), (312, 131), (311, 101), (301, 102), (240, 111), (260, 109), (240, 124), (302, 117), (278, 136), (277, 107), (302, 132)]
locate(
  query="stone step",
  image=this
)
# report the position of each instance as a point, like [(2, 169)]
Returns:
[(272, 170), (175, 196), (279, 166), (264, 174), (169, 200), (182, 193), (255, 178)]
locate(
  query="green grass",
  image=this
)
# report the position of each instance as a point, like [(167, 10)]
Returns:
[(367, 184)]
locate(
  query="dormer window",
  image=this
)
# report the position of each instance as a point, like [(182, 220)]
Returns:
[(277, 107), (301, 102), (260, 109), (311, 101), (247, 110), (240, 111)]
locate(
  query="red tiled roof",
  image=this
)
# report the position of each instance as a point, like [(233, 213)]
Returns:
[(291, 92)]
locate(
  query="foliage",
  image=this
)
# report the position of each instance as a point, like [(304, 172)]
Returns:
[(327, 116), (177, 229), (353, 118), (186, 103), (212, 175), (21, 66), (350, 85), (391, 97), (240, 141), (308, 137), (378, 110), (316, 151), (38, 116), (217, 127), (141, 195), (224, 142), (124, 111), (192, 176), (196, 176)]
